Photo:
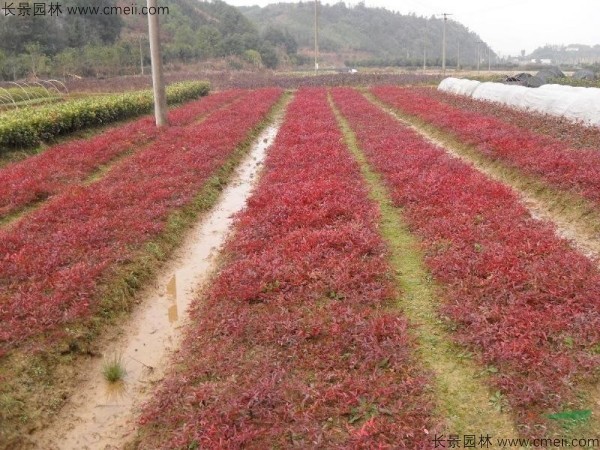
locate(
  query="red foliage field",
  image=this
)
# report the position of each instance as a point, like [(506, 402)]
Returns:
[(54, 259), (294, 344), (533, 154), (63, 165), (298, 339), (572, 134), (524, 301)]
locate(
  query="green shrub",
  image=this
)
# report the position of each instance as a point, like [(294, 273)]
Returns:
[(28, 127)]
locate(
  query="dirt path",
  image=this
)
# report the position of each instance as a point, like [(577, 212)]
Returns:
[(102, 416)]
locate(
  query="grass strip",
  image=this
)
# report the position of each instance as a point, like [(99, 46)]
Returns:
[(464, 399)]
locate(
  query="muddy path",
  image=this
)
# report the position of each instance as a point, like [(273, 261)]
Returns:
[(101, 415)]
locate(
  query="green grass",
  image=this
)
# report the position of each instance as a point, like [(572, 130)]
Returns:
[(9, 106), (113, 369)]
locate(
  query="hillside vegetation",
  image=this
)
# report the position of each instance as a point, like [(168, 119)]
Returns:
[(71, 45), (67, 45), (370, 36)]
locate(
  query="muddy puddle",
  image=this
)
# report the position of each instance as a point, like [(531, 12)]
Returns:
[(101, 415)]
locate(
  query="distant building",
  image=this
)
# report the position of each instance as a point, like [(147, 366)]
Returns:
[(542, 61)]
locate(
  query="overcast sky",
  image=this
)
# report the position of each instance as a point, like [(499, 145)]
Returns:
[(507, 25)]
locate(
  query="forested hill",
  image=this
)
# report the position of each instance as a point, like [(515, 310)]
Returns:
[(370, 35), (106, 45), (99, 45)]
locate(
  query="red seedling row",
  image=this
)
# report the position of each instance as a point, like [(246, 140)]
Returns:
[(572, 134), (51, 262), (63, 165), (522, 299), (533, 154), (295, 343)]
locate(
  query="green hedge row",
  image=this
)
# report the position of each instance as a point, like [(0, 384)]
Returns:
[(28, 127)]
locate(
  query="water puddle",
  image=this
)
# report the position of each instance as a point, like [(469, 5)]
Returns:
[(101, 415)]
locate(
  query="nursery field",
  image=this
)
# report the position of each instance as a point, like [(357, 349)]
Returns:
[(409, 269)]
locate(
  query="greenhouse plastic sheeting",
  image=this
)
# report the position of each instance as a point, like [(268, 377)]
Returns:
[(576, 103), (459, 86), (564, 88), (497, 92)]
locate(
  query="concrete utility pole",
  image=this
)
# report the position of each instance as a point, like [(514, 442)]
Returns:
[(425, 48), (444, 43), (479, 54), (316, 37), (489, 60), (458, 58), (158, 82)]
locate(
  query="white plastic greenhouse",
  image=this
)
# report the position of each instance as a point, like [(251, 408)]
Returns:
[(576, 103), (459, 86)]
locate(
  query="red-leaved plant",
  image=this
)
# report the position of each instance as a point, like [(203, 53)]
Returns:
[(294, 344), (522, 299)]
